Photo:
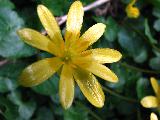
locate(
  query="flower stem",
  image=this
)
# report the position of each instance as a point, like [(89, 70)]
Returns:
[(119, 96), (3, 62), (139, 69)]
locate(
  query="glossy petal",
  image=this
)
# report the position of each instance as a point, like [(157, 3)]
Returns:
[(153, 116), (155, 86), (91, 36), (150, 102), (74, 22), (104, 55), (37, 40), (39, 71), (82, 62), (102, 72), (89, 87), (51, 26), (66, 87)]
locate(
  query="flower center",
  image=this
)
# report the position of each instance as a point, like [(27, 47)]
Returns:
[(67, 57)]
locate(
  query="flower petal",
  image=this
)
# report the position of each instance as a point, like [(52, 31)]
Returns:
[(39, 71), (90, 36), (89, 87), (150, 102), (104, 55), (66, 87), (74, 22), (155, 86), (102, 72), (37, 40), (51, 26), (153, 116)]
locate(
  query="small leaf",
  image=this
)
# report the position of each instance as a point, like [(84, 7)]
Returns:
[(157, 25), (154, 63), (156, 12), (148, 32), (112, 29), (142, 56), (76, 113)]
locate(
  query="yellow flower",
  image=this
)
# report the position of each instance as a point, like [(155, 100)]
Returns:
[(71, 56), (152, 101), (132, 12), (153, 116)]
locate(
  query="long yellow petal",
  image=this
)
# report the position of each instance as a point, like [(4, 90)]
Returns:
[(155, 86), (89, 87), (153, 116), (74, 22), (51, 26), (66, 87), (37, 40), (102, 72), (40, 71), (90, 36), (104, 55), (150, 102)]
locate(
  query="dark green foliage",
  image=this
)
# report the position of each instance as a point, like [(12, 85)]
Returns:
[(137, 39)]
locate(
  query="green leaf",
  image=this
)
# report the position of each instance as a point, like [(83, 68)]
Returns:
[(6, 3), (148, 32), (25, 109), (142, 56), (10, 44), (122, 76), (49, 87), (154, 63), (76, 113), (111, 29), (156, 3), (156, 12), (157, 25), (143, 88), (127, 79), (10, 111), (12, 69), (7, 84), (44, 113), (9, 76), (130, 41), (15, 97)]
